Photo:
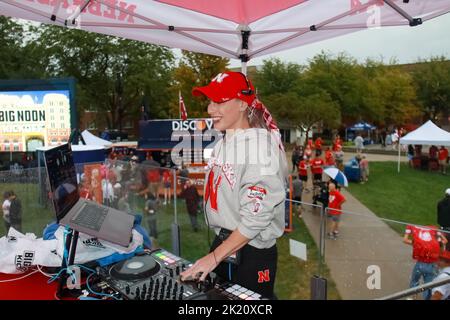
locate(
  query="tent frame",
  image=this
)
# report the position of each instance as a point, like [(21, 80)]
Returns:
[(243, 31)]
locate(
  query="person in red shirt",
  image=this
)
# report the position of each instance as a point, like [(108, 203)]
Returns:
[(426, 242), (337, 142), (303, 172), (335, 201), (443, 159), (317, 169), (433, 152), (329, 158), (318, 145)]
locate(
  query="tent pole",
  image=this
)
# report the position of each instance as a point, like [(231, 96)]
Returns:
[(245, 34), (398, 164), (244, 67)]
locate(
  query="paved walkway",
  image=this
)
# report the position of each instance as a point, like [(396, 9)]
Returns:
[(365, 242)]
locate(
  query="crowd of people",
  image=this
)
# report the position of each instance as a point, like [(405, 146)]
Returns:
[(327, 193), (125, 181), (436, 159)]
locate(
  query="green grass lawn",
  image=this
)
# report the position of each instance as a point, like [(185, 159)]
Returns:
[(293, 275), (35, 216), (409, 196)]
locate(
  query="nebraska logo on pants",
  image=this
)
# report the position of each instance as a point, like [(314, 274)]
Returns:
[(263, 276)]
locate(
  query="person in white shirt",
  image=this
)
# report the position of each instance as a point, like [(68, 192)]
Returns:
[(442, 292), (5, 207), (108, 192), (359, 143), (395, 138)]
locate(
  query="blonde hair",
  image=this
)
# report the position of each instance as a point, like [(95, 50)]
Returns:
[(256, 118)]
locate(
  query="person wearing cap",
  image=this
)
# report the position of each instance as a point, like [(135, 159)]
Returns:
[(245, 185), (442, 292), (443, 215)]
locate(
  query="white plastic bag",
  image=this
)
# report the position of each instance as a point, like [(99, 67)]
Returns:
[(18, 252)]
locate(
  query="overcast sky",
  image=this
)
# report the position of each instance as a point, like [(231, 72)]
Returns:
[(405, 44)]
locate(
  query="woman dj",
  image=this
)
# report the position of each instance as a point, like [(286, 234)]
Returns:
[(245, 187)]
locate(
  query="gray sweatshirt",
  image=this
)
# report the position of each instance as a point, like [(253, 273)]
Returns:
[(245, 186)]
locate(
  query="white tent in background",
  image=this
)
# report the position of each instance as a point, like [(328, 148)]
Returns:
[(428, 134), (92, 140)]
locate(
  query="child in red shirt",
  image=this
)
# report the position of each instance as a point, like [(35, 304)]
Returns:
[(318, 144), (303, 172), (335, 201)]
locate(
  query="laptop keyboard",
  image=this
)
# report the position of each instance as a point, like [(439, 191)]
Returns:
[(91, 217)]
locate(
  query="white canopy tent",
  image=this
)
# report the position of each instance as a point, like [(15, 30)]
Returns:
[(428, 134), (234, 28), (93, 140)]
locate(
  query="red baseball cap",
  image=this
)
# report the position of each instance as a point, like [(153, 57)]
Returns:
[(227, 86)]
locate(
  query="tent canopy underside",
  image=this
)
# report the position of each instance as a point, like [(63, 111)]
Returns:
[(211, 31)]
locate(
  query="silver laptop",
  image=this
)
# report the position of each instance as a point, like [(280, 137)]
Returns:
[(82, 215)]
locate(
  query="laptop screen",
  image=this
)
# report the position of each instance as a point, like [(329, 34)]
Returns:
[(62, 178)]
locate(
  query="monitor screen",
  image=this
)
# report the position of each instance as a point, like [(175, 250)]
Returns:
[(62, 178), (32, 119)]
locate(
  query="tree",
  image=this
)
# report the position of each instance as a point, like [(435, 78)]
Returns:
[(304, 112), (113, 74), (276, 77), (393, 97), (20, 55), (195, 69), (432, 83), (341, 78)]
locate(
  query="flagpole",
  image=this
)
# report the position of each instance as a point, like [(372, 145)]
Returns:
[(179, 103)]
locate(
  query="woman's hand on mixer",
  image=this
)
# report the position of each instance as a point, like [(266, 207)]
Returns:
[(201, 268)]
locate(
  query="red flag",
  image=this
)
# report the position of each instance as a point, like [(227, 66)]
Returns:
[(183, 112)]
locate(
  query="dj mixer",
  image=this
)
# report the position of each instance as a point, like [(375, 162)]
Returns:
[(155, 275)]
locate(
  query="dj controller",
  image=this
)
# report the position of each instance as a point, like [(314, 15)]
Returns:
[(155, 275)]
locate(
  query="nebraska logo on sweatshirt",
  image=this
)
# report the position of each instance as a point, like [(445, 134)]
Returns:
[(256, 192)]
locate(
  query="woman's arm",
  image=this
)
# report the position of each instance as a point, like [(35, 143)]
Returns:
[(208, 263)]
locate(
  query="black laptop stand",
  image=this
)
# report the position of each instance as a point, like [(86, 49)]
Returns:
[(70, 247)]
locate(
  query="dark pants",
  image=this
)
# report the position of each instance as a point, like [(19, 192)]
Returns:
[(256, 270), (16, 225), (151, 220), (194, 223), (7, 225)]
